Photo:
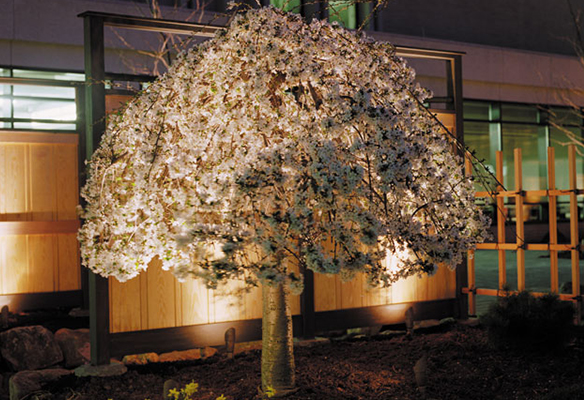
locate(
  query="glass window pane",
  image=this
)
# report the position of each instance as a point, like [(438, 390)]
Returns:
[(44, 91), (287, 5), (60, 76), (4, 72), (565, 116), (519, 113), (531, 139), (476, 110), (344, 12), (4, 90), (559, 139), (477, 138), (430, 75), (5, 108), (44, 109), (44, 126)]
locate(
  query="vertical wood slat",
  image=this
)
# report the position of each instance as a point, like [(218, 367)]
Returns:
[(574, 239), (472, 306), (2, 186), (553, 223), (519, 222), (501, 218)]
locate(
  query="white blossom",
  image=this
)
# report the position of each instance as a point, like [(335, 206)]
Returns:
[(278, 142)]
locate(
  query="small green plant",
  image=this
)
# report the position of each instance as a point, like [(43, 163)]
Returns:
[(523, 321), (184, 393), (270, 392)]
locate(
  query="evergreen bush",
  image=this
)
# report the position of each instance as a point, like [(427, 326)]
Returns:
[(523, 321)]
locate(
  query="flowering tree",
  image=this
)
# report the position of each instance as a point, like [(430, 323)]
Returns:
[(278, 142)]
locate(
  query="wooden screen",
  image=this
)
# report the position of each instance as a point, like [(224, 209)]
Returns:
[(518, 242), (38, 221), (155, 299)]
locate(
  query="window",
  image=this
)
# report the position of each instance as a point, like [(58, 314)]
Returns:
[(493, 126), (38, 107), (347, 13), (287, 5), (344, 12)]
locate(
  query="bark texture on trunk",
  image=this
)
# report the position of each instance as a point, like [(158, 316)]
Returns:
[(277, 341)]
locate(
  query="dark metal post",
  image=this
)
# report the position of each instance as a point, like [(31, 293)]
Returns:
[(307, 306), (95, 126), (81, 157), (456, 85), (312, 9)]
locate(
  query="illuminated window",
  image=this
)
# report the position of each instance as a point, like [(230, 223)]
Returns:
[(493, 126), (344, 12), (38, 107), (287, 5), (347, 13)]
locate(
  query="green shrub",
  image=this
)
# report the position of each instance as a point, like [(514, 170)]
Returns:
[(526, 322)]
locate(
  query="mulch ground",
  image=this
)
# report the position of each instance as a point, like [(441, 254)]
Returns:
[(460, 365)]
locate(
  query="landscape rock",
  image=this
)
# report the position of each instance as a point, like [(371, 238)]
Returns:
[(29, 348), (112, 369), (169, 385), (75, 346), (23, 383), (140, 359), (4, 317), (247, 346), (187, 355), (79, 313)]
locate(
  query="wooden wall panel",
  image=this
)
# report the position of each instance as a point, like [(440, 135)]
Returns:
[(404, 291), (41, 263), (42, 187), (195, 302), (3, 215), (228, 302), (253, 303), (352, 293), (161, 296), (125, 305), (375, 296), (15, 190), (15, 264), (325, 292), (66, 181), (69, 269), (38, 182)]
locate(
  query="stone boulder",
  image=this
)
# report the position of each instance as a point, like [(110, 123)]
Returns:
[(140, 359), (188, 355), (24, 383), (29, 348), (75, 346), (115, 368)]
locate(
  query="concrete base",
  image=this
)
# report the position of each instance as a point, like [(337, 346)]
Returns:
[(113, 369)]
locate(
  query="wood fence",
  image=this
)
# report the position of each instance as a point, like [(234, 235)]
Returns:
[(155, 299), (518, 243), (39, 262)]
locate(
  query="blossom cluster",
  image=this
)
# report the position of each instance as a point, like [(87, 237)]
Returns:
[(278, 142)]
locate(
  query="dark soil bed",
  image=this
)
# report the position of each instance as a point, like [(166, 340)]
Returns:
[(461, 365)]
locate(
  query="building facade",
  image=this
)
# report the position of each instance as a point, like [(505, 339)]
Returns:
[(521, 70)]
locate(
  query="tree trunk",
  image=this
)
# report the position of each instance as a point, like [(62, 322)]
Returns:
[(277, 344)]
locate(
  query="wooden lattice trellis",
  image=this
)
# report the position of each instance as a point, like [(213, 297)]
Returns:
[(519, 245)]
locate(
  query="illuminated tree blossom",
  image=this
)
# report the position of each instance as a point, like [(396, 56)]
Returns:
[(278, 142)]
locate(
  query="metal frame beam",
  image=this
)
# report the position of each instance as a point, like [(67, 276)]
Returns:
[(95, 22)]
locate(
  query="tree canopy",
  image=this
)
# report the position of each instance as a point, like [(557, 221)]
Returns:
[(278, 141)]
